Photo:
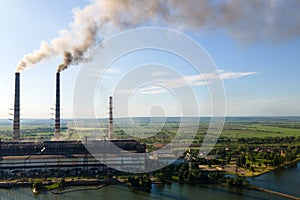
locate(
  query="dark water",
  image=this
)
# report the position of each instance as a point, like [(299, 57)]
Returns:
[(284, 180), (174, 191)]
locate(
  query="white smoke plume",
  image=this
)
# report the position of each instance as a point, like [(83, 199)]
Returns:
[(244, 20)]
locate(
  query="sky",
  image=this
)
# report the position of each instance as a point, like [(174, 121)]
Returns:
[(258, 60)]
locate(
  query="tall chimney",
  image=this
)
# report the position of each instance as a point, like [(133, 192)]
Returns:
[(16, 122), (111, 127), (57, 107)]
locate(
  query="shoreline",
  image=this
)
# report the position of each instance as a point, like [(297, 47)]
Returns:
[(252, 187), (90, 184), (56, 191), (279, 167), (268, 171), (46, 182)]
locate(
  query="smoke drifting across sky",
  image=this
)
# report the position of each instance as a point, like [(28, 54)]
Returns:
[(267, 20)]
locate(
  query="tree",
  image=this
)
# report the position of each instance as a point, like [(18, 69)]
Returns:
[(277, 160), (191, 178), (37, 185), (228, 158), (243, 159), (238, 162), (180, 177)]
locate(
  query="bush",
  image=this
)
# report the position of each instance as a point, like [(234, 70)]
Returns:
[(37, 185)]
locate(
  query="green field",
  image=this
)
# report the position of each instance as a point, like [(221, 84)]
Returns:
[(147, 131), (258, 130)]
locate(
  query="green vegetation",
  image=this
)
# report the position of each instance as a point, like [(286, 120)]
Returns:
[(239, 181), (56, 185), (38, 184), (234, 129), (246, 147), (190, 173), (141, 182), (31, 132)]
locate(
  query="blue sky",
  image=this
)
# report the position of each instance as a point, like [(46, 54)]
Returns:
[(272, 90)]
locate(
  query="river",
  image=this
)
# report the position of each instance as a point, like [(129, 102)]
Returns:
[(282, 180)]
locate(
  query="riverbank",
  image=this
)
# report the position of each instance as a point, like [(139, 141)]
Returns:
[(57, 191), (247, 173), (273, 192), (87, 184), (51, 183)]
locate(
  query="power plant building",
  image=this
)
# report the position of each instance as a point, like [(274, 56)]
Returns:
[(69, 155), (27, 156)]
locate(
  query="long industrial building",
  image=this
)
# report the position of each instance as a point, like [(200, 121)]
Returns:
[(46, 156)]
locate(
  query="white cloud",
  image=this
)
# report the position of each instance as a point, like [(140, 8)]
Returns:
[(192, 80), (113, 70), (232, 75), (97, 72), (159, 73), (154, 89)]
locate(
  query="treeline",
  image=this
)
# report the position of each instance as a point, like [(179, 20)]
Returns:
[(269, 140), (258, 140), (294, 126), (272, 157), (189, 172), (33, 132), (140, 182)]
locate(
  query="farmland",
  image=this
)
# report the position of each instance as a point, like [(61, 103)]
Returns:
[(162, 130)]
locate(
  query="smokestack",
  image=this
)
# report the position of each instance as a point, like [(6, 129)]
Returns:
[(57, 107), (16, 122), (111, 127)]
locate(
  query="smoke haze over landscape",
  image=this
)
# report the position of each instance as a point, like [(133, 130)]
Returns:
[(269, 20)]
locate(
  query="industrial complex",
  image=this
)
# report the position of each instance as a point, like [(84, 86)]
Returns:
[(65, 156)]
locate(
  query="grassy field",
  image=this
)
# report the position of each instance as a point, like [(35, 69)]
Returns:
[(258, 130), (234, 128)]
